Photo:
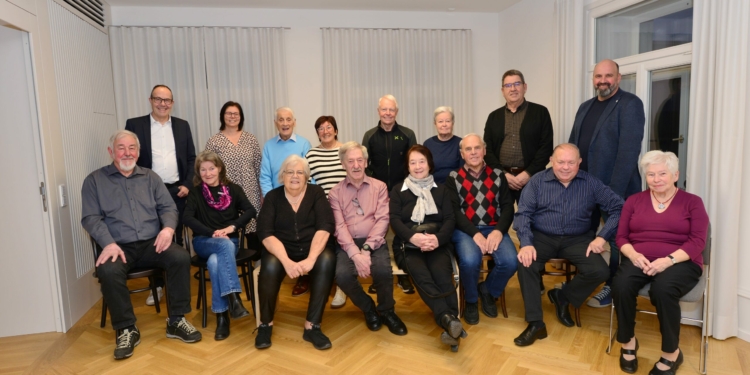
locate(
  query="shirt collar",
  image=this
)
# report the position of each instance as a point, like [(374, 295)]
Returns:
[(366, 180), (520, 107), (404, 187), (469, 171), (154, 122), (292, 138)]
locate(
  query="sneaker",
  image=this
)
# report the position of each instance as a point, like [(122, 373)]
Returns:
[(471, 313), (263, 340), (127, 340), (405, 284), (183, 330), (317, 338), (339, 299), (150, 298), (601, 299)]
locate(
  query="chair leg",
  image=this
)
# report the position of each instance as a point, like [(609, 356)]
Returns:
[(251, 285), (246, 278), (578, 317), (611, 323), (166, 292), (256, 303), (155, 293), (104, 313), (502, 305), (202, 291)]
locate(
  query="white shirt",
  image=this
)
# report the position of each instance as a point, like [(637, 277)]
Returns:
[(163, 155)]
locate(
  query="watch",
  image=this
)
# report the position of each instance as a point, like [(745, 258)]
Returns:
[(366, 247), (672, 259)]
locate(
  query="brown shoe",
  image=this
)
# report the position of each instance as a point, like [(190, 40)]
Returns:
[(302, 286)]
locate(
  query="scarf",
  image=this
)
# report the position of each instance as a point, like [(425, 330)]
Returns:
[(224, 198), (425, 204)]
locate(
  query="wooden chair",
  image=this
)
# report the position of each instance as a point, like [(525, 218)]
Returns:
[(485, 269), (133, 273), (564, 268), (700, 291)]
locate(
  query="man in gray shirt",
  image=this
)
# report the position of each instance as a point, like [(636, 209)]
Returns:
[(128, 211)]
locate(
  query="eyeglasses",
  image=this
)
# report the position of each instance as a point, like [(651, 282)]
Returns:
[(514, 84), (158, 100), (298, 173), (232, 114), (360, 211), (323, 129)]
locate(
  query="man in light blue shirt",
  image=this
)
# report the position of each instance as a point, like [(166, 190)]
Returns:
[(279, 147)]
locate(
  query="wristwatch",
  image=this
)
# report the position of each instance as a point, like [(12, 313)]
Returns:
[(672, 259), (366, 247)]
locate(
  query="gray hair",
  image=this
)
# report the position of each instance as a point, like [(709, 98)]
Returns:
[(389, 97), (659, 157), (122, 134), (351, 145), (461, 144), (284, 109), (569, 146), (442, 109), (291, 160)]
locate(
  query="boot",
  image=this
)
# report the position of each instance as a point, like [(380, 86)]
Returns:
[(222, 326), (236, 309)]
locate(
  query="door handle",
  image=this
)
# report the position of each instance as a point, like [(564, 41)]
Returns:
[(681, 139)]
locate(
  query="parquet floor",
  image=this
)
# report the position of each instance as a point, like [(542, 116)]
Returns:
[(489, 349)]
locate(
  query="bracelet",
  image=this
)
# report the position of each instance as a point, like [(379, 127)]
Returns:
[(672, 259)]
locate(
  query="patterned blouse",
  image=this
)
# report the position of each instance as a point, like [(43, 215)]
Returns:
[(243, 165), (325, 167)]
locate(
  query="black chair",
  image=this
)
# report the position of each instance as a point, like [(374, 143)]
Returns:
[(133, 273), (248, 252)]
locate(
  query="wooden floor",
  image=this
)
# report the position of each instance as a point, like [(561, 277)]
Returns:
[(489, 349)]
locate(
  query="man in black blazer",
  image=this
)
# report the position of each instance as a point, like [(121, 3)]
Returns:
[(518, 135), (166, 148)]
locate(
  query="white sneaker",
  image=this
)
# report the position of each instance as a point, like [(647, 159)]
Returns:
[(150, 299), (339, 299)]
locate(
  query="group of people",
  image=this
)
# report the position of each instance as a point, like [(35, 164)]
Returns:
[(322, 215)]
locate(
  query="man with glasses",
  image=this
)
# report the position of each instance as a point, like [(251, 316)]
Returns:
[(518, 135), (360, 207), (166, 148)]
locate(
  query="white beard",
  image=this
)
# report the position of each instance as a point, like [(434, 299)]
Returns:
[(127, 165)]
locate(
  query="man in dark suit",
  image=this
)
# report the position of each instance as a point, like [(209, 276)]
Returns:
[(167, 149), (518, 135), (608, 129)]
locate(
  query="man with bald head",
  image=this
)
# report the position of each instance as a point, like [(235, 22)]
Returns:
[(608, 129), (554, 221)]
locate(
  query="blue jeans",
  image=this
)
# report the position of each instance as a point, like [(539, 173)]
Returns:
[(470, 260), (222, 268)]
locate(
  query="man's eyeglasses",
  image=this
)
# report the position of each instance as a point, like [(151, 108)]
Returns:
[(360, 211), (158, 100), (514, 84)]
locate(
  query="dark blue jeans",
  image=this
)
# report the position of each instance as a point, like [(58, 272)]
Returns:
[(470, 260), (220, 258)]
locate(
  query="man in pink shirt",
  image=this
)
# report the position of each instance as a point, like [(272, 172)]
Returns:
[(360, 207)]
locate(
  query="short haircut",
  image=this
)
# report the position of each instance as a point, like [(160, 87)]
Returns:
[(442, 109), (569, 146), (422, 150), (284, 109), (160, 85), (122, 134), (224, 109), (513, 72), (351, 145), (291, 160), (212, 157), (461, 144), (389, 97), (329, 119), (658, 157)]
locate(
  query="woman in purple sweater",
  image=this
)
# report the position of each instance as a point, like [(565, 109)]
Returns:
[(661, 236)]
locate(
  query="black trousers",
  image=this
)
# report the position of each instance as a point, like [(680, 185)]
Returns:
[(592, 270), (666, 289), (272, 273), (180, 203), (432, 272), (382, 278), (175, 261)]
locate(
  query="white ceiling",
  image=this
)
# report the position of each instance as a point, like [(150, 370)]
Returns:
[(483, 6)]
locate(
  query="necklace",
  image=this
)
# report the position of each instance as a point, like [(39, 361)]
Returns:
[(662, 204), (294, 203)]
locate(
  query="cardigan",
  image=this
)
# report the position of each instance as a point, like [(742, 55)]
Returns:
[(402, 205)]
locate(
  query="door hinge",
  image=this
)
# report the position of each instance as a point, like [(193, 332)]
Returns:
[(43, 192)]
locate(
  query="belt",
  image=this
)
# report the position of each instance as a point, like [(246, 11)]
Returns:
[(169, 186), (513, 170)]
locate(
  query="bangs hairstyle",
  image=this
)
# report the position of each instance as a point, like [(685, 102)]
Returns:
[(422, 150), (442, 109), (224, 109), (513, 72), (211, 156), (329, 119), (658, 157), (291, 160), (351, 145)]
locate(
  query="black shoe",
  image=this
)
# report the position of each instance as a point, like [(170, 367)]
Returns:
[(489, 307), (471, 313), (236, 309), (394, 323), (405, 284), (561, 309), (372, 289), (372, 320), (183, 330), (673, 366), (127, 340), (263, 339), (629, 366), (222, 326), (531, 334), (317, 338), (452, 325)]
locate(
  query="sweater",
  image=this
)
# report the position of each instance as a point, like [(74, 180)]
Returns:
[(480, 201), (446, 156), (204, 220)]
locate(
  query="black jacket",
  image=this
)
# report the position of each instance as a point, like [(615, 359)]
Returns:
[(386, 151)]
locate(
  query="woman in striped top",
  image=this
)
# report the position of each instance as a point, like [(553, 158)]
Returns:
[(327, 171)]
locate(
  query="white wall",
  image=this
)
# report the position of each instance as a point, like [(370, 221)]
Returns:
[(305, 45)]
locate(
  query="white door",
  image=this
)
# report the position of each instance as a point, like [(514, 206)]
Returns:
[(28, 288)]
